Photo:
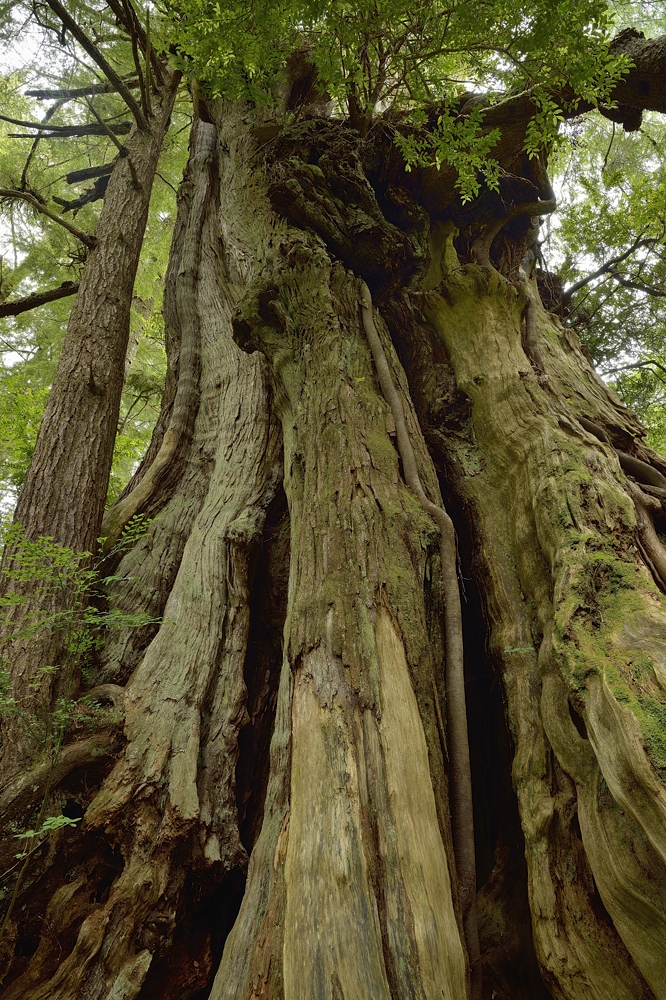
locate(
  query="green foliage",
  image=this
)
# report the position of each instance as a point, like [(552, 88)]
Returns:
[(612, 207), (70, 592), (460, 142), (49, 825), (399, 56)]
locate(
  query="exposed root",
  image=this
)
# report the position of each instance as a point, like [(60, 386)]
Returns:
[(649, 539), (24, 792), (461, 779), (481, 249), (641, 470)]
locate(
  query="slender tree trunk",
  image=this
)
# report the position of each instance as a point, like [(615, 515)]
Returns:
[(275, 820), (64, 493), (65, 490)]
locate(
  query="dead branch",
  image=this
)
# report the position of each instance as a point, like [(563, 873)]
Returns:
[(19, 306), (118, 83)]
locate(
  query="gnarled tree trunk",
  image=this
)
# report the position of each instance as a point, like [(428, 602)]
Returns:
[(275, 819)]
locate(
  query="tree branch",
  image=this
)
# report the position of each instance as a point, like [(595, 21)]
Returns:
[(122, 151), (66, 131), (69, 94), (636, 364), (608, 266), (49, 114), (19, 306), (628, 283), (85, 238), (94, 53)]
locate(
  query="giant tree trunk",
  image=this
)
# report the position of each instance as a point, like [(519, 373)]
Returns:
[(275, 819)]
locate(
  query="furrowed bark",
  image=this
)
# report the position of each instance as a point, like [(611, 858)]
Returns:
[(566, 596), (169, 803), (350, 887), (65, 488), (75, 443), (461, 779), (358, 832)]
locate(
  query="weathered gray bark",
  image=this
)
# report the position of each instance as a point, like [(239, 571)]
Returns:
[(315, 617)]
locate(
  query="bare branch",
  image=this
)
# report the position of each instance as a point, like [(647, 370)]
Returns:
[(604, 269), (121, 149), (85, 238), (69, 94), (636, 364), (89, 173), (49, 114), (39, 299), (66, 131), (638, 285), (94, 53)]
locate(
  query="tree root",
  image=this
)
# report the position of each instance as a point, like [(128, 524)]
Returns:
[(641, 470), (22, 794), (461, 779), (649, 539)]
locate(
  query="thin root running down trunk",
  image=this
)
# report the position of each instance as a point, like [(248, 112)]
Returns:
[(460, 773)]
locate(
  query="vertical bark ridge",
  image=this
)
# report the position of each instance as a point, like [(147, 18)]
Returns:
[(170, 801), (356, 640), (461, 779), (195, 192), (555, 527)]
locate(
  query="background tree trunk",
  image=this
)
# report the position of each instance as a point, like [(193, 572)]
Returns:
[(289, 709), (64, 493)]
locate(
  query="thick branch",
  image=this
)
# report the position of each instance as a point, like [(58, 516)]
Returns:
[(85, 238), (94, 53), (38, 299), (89, 173)]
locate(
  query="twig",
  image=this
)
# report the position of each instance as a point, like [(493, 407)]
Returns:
[(85, 238), (94, 53)]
